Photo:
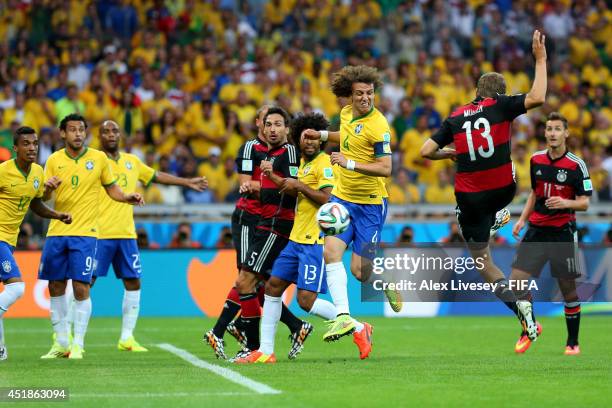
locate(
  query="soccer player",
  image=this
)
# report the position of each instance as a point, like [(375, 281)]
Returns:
[(76, 174), (244, 220), (117, 232), (272, 231), (364, 161), (561, 185), (484, 183), (21, 186), (301, 261)]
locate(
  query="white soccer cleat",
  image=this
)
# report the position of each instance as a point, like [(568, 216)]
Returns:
[(502, 217)]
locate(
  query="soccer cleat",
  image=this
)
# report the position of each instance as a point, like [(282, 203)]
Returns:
[(502, 217), (523, 342), (131, 345), (3, 353), (76, 352), (243, 353), (363, 340), (57, 351), (298, 338), (572, 350), (525, 316), (216, 343), (394, 297), (342, 325), (236, 333), (255, 357)]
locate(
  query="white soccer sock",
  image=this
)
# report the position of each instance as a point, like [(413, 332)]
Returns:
[(82, 313), (131, 308), (358, 326), (323, 309), (11, 293), (272, 309), (70, 305), (337, 281), (58, 311)]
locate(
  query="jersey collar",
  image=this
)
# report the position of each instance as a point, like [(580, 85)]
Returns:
[(118, 157), (363, 116), (558, 158), (76, 159), (313, 159), (21, 171)]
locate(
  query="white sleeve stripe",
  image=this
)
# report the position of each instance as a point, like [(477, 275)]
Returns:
[(583, 167), (247, 150)]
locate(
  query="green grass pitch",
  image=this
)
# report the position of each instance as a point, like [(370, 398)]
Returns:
[(436, 362)]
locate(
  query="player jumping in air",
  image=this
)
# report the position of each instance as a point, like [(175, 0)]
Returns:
[(21, 187), (484, 183), (561, 185), (301, 261), (363, 163), (76, 174), (117, 235)]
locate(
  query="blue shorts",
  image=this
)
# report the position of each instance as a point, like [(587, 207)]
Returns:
[(366, 226), (124, 256), (68, 258), (303, 265), (8, 266)]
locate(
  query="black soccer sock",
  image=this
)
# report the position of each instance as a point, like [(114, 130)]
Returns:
[(503, 292), (572, 321), (251, 315), (229, 311), (291, 321)]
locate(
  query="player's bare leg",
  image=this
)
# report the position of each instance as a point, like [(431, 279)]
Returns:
[(130, 308), (13, 290)]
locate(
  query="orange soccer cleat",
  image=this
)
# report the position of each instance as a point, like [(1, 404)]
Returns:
[(363, 340), (256, 356), (523, 343)]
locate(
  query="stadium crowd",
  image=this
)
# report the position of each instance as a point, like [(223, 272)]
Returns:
[(185, 78)]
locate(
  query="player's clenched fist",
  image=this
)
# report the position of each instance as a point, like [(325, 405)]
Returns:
[(135, 199), (65, 218), (52, 183), (266, 167)]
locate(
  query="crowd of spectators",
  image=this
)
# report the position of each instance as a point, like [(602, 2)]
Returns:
[(184, 78)]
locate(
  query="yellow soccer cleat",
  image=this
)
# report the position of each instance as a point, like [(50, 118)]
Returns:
[(56, 351), (394, 297), (343, 325), (76, 352), (131, 345)]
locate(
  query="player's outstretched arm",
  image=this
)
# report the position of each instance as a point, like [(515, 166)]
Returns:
[(527, 210), (333, 137), (381, 167), (116, 193), (431, 150), (43, 211), (537, 94), (195, 183)]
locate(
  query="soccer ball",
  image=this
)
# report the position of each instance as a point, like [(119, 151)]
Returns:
[(333, 218)]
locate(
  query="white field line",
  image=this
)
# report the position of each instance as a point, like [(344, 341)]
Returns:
[(220, 371), (158, 394)]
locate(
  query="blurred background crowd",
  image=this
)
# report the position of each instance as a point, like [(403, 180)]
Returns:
[(184, 78)]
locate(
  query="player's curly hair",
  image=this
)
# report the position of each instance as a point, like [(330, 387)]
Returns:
[(343, 80), (300, 123), (73, 117), (491, 84)]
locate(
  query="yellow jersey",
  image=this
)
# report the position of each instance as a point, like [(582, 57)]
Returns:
[(362, 139), (17, 189), (116, 219), (316, 174), (79, 193)]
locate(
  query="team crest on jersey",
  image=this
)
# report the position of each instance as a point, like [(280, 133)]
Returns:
[(358, 128), (89, 165), (6, 266), (128, 165), (36, 183), (328, 172), (307, 170), (562, 176), (293, 170)]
